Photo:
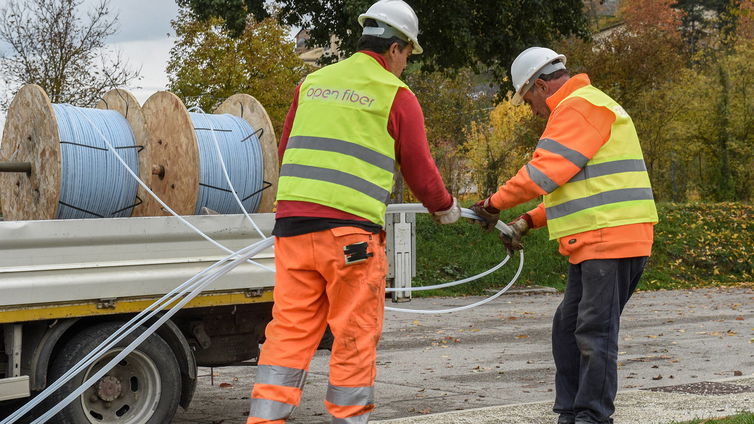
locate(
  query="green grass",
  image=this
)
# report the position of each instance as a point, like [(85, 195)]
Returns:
[(695, 245), (743, 418)]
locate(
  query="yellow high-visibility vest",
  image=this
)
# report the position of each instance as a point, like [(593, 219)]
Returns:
[(612, 189), (340, 153)]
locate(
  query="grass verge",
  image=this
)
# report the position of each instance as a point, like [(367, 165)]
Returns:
[(696, 245), (743, 418)]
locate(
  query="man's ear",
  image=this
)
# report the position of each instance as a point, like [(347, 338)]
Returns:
[(394, 49), (540, 85)]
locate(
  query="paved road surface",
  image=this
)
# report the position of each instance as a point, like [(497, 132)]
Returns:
[(499, 354)]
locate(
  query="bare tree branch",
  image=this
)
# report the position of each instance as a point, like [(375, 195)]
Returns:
[(50, 44)]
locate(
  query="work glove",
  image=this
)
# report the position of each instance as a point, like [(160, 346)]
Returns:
[(449, 215), (519, 229), (489, 214)]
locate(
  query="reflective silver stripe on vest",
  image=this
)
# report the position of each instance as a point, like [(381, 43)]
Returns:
[(348, 396), (607, 168), (543, 181), (270, 409), (599, 199), (280, 376), (553, 146), (345, 147), (359, 419), (336, 177)]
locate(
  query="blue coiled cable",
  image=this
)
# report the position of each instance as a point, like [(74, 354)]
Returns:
[(93, 183), (242, 153)]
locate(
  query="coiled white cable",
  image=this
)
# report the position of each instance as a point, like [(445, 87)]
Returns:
[(466, 213)]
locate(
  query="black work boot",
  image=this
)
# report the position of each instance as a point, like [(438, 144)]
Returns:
[(566, 419)]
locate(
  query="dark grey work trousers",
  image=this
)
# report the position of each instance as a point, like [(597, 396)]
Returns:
[(585, 337)]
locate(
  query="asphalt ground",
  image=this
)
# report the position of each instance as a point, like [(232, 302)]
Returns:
[(492, 364)]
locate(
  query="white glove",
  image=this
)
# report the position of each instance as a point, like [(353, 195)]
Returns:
[(449, 215)]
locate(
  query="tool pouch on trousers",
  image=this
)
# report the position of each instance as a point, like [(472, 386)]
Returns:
[(356, 252)]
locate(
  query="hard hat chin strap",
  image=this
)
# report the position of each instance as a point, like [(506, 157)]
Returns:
[(383, 30)]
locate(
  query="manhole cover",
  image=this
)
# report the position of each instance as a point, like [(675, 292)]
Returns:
[(704, 388)]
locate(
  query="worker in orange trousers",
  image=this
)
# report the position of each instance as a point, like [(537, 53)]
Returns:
[(350, 126)]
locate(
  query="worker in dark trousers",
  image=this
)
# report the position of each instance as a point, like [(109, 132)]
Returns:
[(598, 203)]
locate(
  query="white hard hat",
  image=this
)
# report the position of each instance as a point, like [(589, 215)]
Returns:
[(529, 65), (399, 15)]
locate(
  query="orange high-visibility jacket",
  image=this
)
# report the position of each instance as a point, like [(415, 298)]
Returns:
[(580, 126)]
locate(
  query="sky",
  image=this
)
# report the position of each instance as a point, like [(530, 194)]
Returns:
[(144, 39)]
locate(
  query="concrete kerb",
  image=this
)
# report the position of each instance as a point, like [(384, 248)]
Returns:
[(632, 406)]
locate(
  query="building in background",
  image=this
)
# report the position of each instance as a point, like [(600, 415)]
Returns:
[(310, 55)]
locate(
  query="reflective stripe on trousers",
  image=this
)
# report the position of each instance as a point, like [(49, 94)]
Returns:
[(350, 404), (282, 383)]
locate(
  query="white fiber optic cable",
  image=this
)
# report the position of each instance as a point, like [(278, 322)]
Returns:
[(139, 319), (466, 213), (472, 305), (254, 249)]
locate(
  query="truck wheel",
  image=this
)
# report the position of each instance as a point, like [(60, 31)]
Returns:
[(144, 388)]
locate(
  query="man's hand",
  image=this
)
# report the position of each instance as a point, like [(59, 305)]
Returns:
[(489, 214), (449, 215), (520, 227)]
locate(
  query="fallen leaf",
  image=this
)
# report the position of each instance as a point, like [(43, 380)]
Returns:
[(225, 385), (738, 373)]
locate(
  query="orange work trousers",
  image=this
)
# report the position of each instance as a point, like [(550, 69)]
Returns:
[(335, 277)]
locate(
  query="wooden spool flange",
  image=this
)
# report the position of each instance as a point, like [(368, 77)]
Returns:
[(173, 156), (126, 104), (247, 107), (31, 135)]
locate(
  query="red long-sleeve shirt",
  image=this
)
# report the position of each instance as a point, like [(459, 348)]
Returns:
[(406, 126), (582, 129)]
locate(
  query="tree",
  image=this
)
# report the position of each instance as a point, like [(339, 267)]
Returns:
[(207, 65), (450, 102), (50, 45), (454, 34), (498, 147)]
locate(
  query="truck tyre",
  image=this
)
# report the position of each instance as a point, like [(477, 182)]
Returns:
[(144, 388)]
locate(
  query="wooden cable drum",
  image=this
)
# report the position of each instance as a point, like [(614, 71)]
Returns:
[(31, 136), (126, 104), (248, 108), (173, 155), (66, 162)]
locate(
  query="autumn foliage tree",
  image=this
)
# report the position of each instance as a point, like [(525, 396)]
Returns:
[(450, 101), (207, 65), (498, 147)]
